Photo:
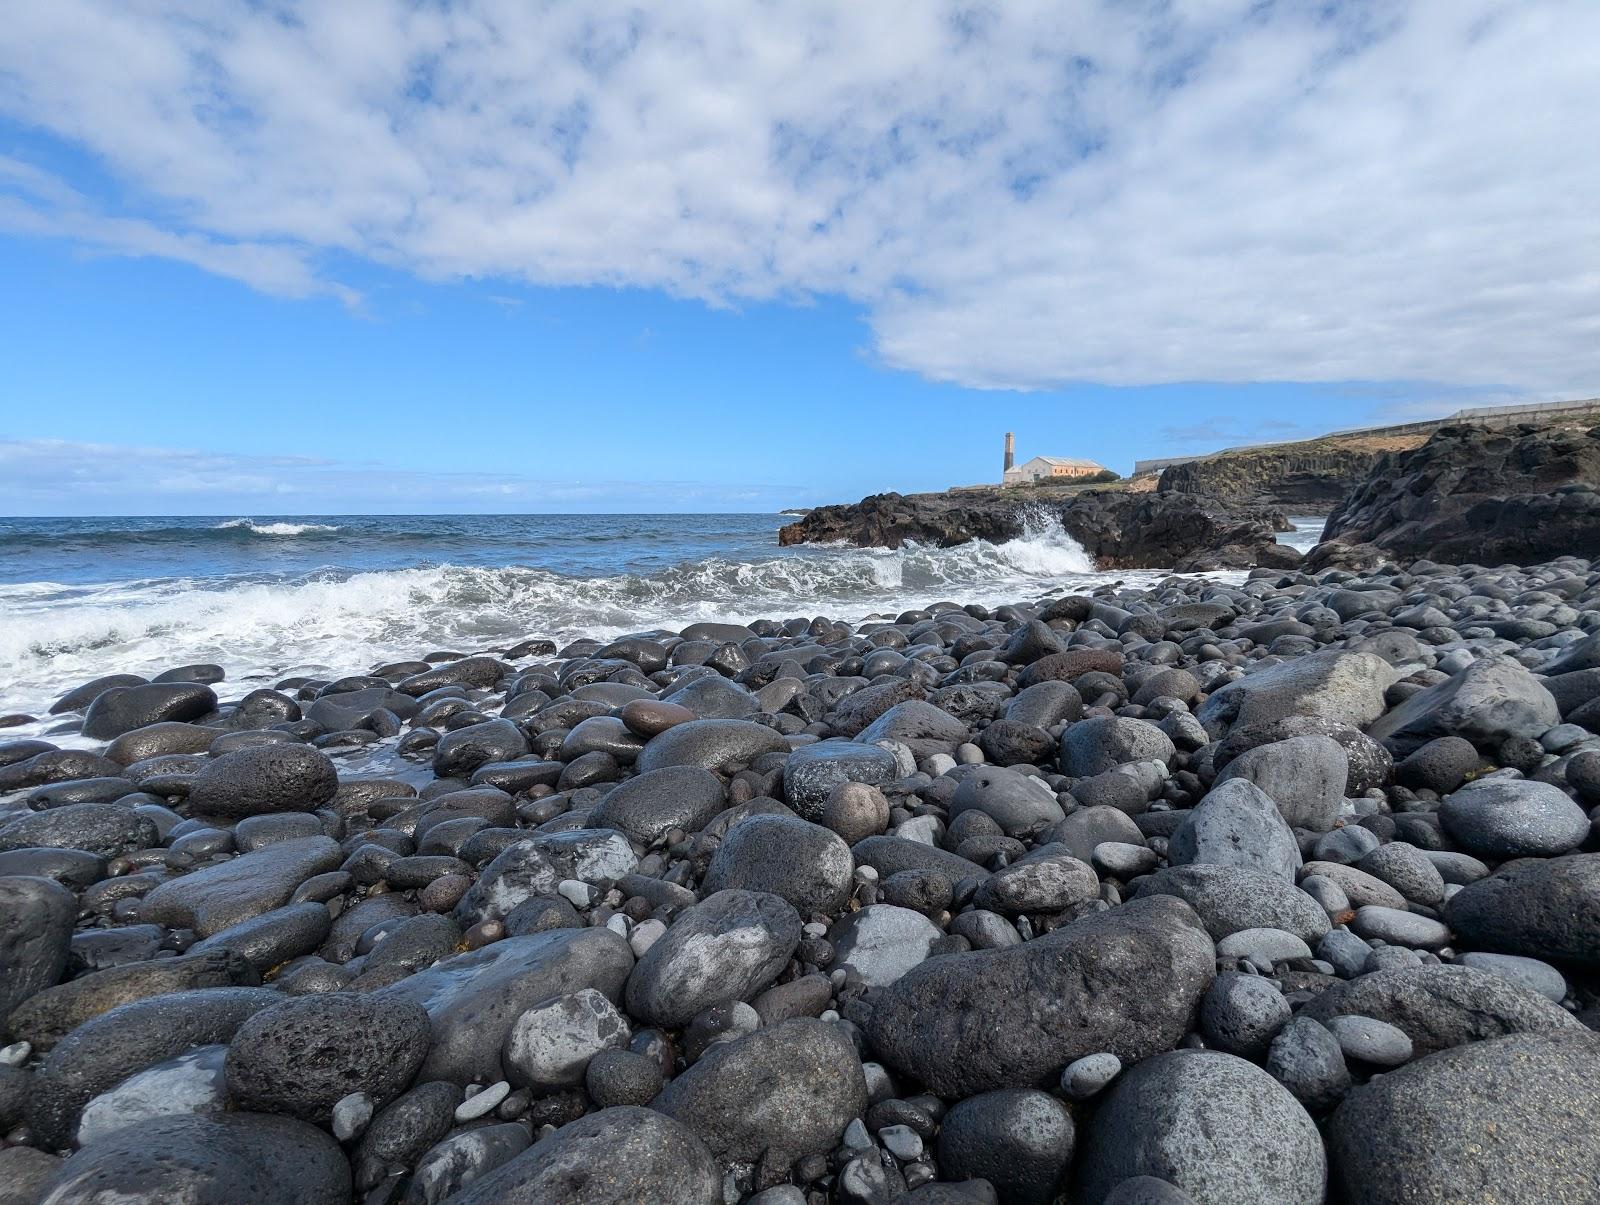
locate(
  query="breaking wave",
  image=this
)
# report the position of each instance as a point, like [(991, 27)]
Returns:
[(261, 628)]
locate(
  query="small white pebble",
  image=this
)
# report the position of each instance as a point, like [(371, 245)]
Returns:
[(16, 1054), (351, 1115), (578, 894), (482, 1103), (618, 924), (644, 935)]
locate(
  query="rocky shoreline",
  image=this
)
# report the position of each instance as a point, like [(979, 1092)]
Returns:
[(1120, 528), (1278, 891)]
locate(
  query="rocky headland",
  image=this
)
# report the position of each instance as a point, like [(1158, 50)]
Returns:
[(1519, 495), (1282, 890), (1307, 476), (1121, 527)]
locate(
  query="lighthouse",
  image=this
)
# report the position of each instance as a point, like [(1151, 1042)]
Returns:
[(1011, 453)]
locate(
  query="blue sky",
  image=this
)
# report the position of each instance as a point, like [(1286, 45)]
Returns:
[(476, 257)]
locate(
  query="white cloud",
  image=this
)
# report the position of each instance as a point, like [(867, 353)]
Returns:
[(54, 476), (1019, 194)]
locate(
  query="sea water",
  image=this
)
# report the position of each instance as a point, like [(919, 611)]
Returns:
[(268, 598)]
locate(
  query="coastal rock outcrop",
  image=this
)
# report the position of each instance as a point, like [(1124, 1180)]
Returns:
[(1471, 494)]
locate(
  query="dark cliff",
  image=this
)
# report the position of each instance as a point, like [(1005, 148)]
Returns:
[(1519, 495), (1119, 528), (1312, 476)]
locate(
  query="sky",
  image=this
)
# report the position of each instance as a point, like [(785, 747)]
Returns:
[(497, 256)]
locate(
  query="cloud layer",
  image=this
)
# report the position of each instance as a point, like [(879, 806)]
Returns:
[(1020, 195)]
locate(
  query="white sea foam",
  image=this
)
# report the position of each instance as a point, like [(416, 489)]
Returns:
[(53, 637), (275, 529)]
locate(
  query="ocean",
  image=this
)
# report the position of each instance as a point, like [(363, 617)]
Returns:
[(321, 595)]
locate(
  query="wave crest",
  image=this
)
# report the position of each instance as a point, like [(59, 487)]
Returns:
[(338, 621)]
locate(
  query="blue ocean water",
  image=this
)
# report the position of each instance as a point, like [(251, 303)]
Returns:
[(317, 594)]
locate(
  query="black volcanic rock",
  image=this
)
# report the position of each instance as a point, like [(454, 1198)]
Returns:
[(1119, 528), (1471, 494)]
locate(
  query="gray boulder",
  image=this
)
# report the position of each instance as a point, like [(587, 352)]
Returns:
[(1125, 981), (618, 1156), (1490, 701), (1102, 743), (1305, 776), (1018, 1139), (263, 779), (647, 806), (39, 917), (777, 1094), (881, 942), (1511, 1119), (799, 861), (1237, 824), (1019, 803), (920, 726), (1344, 687), (1229, 899), (1536, 908), (726, 948), (207, 1159), (1216, 1126), (1441, 1006), (105, 829), (1500, 818), (473, 999)]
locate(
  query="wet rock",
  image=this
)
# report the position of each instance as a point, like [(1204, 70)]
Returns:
[(46, 1017), (812, 772), (726, 948), (212, 1157), (302, 1056), (120, 1042), (617, 1156), (549, 1046), (1125, 981), (190, 1083), (267, 778), (34, 939), (399, 1134), (720, 745), (124, 708), (474, 998), (798, 861), (776, 1094), (214, 898), (646, 807)]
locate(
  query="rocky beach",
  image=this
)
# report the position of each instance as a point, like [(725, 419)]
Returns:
[(1273, 881)]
